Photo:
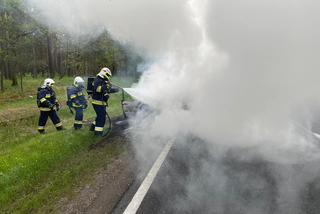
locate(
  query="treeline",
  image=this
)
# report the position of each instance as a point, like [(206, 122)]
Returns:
[(28, 47)]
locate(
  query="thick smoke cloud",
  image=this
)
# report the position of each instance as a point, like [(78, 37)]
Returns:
[(272, 75), (152, 25), (238, 74), (252, 81)]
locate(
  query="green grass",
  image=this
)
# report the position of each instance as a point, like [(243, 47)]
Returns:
[(13, 97), (37, 170)]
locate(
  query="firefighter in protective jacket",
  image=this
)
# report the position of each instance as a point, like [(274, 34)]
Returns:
[(77, 100), (102, 87), (48, 106)]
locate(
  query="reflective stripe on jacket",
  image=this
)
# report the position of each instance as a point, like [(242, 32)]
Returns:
[(76, 97), (98, 102), (46, 97), (101, 91)]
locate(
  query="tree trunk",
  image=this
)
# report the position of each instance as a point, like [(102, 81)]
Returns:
[(2, 78), (85, 67), (55, 55), (13, 76), (6, 68), (66, 58), (50, 55), (21, 81), (59, 62), (14, 80), (34, 68)]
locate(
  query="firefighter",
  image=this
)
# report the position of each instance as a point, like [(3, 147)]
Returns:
[(102, 87), (48, 106), (77, 101)]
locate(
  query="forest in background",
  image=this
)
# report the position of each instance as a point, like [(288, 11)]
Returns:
[(29, 48)]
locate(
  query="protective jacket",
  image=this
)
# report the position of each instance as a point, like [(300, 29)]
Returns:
[(76, 97), (101, 91), (46, 98)]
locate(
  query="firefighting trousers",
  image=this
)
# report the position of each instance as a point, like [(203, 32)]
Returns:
[(44, 117), (78, 120), (100, 119)]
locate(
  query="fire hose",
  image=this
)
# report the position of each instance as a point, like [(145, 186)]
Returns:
[(108, 131)]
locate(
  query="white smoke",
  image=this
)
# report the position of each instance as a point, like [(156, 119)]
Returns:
[(155, 26), (273, 70), (235, 73), (260, 89)]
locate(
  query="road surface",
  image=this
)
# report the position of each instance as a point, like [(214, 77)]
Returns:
[(192, 180)]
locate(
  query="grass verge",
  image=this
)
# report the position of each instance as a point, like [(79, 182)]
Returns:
[(37, 170)]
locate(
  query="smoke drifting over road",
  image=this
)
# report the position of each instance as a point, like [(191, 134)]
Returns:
[(238, 74)]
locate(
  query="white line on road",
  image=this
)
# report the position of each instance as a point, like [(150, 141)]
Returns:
[(143, 189)]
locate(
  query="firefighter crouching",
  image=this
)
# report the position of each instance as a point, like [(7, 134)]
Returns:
[(48, 105), (77, 101), (102, 87)]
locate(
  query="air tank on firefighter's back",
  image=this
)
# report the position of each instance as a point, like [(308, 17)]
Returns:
[(90, 85)]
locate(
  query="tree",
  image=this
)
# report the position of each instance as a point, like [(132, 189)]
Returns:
[(28, 47)]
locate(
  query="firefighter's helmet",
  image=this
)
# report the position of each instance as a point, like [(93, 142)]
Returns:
[(48, 82), (78, 82), (105, 73)]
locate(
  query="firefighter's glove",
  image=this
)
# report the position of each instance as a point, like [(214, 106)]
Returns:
[(57, 106), (116, 89), (77, 103), (51, 106), (106, 97)]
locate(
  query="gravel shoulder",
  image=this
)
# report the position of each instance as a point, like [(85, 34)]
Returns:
[(109, 183)]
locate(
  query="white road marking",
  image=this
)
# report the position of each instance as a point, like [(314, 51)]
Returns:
[(137, 199), (316, 135)]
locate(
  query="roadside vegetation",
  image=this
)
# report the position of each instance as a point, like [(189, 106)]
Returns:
[(28, 47), (37, 170)]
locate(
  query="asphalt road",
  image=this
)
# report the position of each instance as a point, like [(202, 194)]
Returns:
[(193, 180)]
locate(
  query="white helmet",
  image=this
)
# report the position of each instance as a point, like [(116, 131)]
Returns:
[(48, 82), (78, 82), (105, 73)]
